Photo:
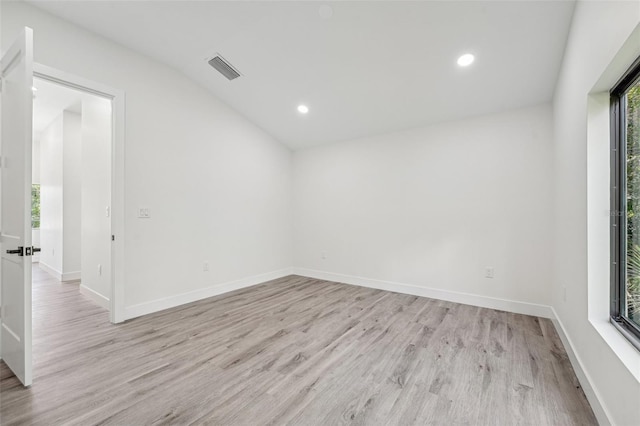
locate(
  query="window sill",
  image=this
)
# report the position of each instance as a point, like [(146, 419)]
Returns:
[(623, 329), (626, 352)]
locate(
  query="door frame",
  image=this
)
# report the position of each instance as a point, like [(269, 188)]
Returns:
[(117, 97)]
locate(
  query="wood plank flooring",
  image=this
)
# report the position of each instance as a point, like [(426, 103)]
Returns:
[(292, 351)]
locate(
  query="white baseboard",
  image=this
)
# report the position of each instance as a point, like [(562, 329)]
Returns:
[(95, 297), (517, 307), (51, 271), (592, 396), (141, 309), (60, 276), (71, 276)]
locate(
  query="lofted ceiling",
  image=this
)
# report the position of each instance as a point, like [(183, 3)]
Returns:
[(361, 67)]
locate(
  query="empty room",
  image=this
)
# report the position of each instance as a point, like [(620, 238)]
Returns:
[(319, 213)]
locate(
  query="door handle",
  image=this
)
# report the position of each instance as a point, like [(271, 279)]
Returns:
[(30, 251), (17, 251)]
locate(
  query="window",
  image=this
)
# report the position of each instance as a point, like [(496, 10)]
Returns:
[(35, 206), (625, 198)]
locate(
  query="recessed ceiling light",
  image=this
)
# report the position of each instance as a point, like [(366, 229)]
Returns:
[(325, 11), (466, 60), (303, 109)]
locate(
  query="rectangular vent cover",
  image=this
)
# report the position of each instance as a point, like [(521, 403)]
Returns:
[(224, 67)]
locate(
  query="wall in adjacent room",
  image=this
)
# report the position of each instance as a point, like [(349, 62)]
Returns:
[(71, 193), (60, 197), (51, 196), (35, 178), (96, 196)]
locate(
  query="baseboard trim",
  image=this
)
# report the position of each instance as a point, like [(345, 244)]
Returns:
[(146, 308), (94, 296), (517, 307), (60, 276), (70, 276), (599, 410), (51, 271)]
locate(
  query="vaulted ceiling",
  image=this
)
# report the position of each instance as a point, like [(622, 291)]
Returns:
[(361, 67)]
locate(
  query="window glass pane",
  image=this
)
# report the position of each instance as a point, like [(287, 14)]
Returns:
[(632, 291)]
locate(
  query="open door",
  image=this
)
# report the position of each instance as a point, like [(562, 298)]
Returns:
[(16, 72)]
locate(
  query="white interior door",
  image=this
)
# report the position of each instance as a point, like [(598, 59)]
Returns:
[(15, 212)]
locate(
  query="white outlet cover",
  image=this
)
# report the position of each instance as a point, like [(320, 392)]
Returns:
[(144, 212)]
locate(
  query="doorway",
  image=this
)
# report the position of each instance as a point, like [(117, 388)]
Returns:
[(100, 110), (71, 187)]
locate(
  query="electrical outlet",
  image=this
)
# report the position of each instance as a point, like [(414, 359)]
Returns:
[(489, 272), (144, 213), (205, 266), (99, 269)]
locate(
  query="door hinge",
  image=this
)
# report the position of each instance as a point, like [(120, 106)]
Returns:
[(113, 238)]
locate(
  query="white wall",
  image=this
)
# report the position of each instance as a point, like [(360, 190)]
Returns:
[(51, 221), (35, 161), (60, 197), (599, 30), (96, 196), (218, 187), (35, 178), (71, 204), (433, 207)]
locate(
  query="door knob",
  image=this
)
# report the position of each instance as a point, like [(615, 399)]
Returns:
[(17, 251)]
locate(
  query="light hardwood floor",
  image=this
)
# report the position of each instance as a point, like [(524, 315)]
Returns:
[(292, 351)]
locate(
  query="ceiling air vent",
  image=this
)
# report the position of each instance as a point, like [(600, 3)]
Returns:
[(224, 67)]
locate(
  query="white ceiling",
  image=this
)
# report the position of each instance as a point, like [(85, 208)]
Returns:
[(50, 101), (372, 67)]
